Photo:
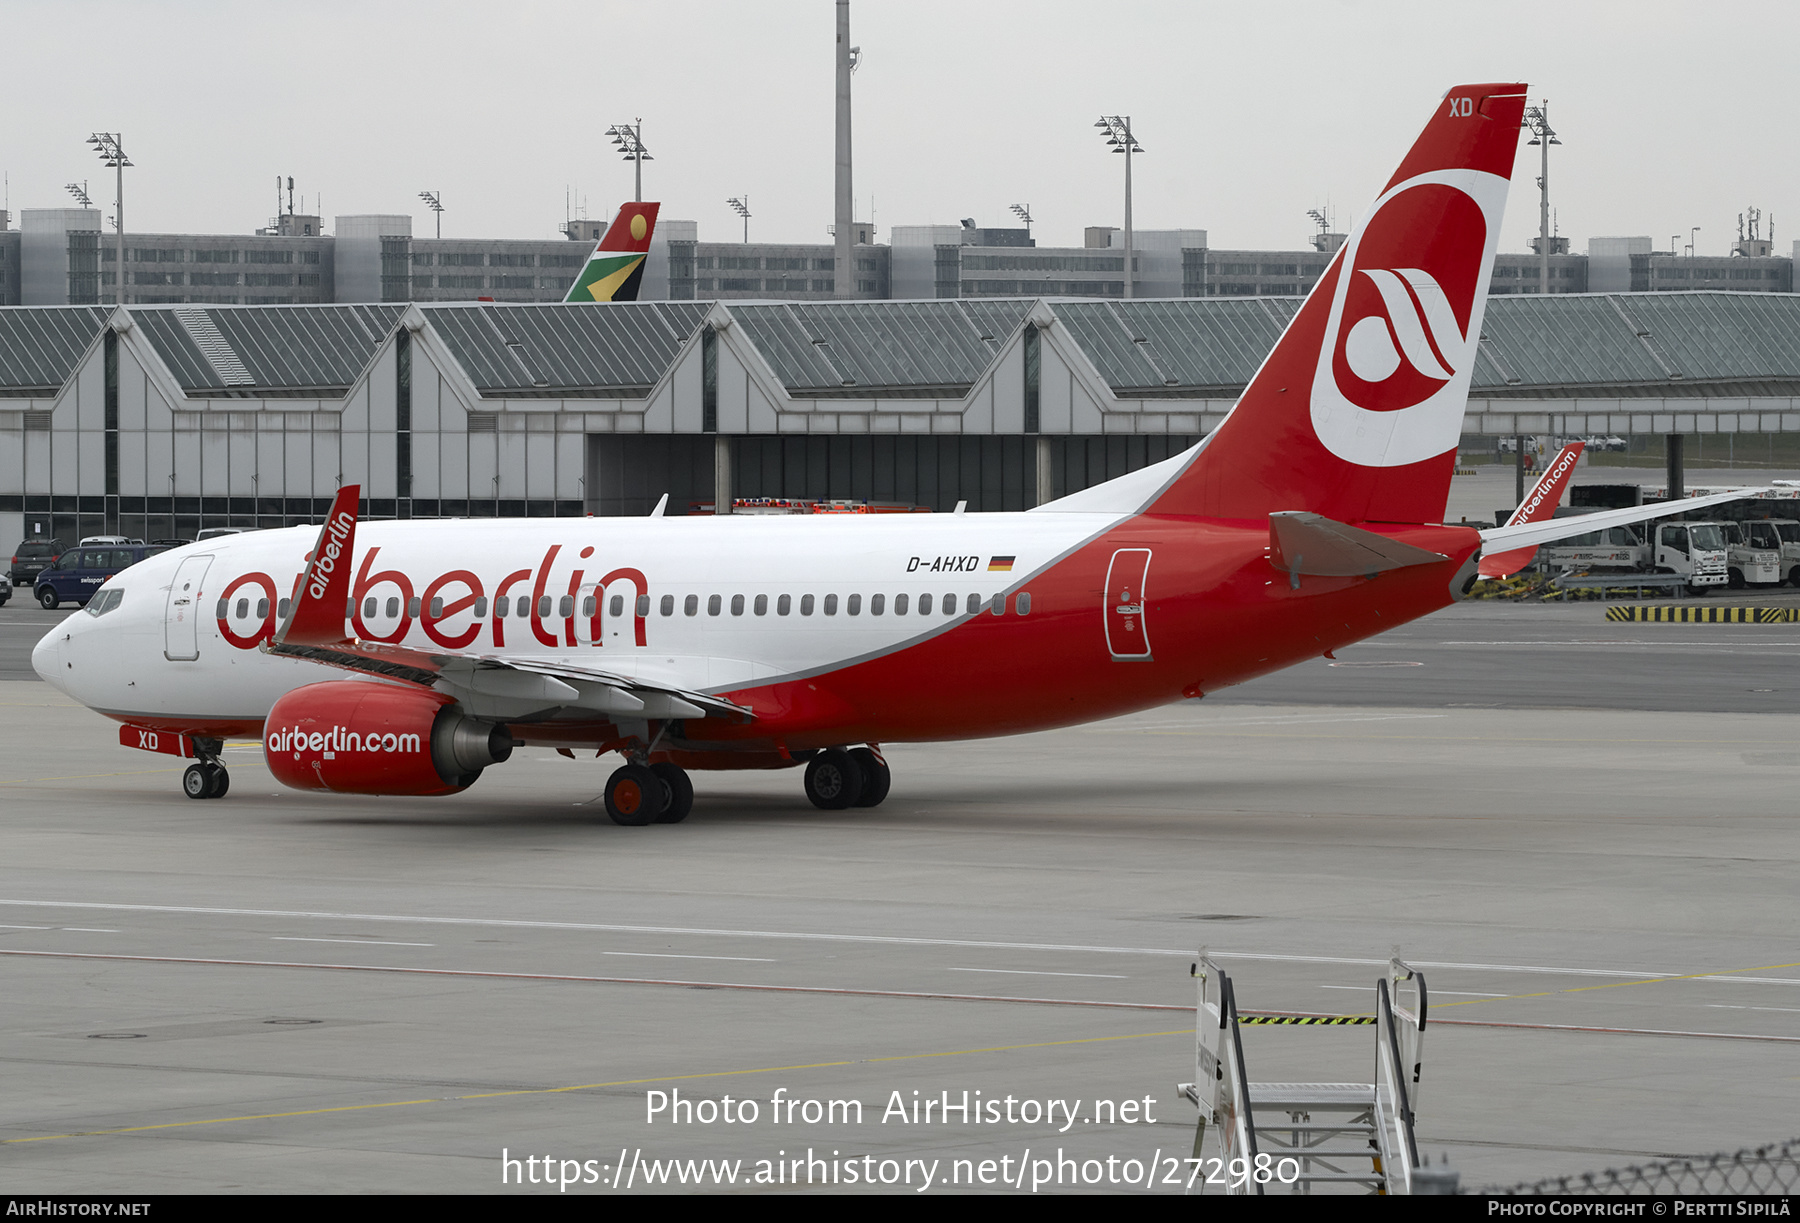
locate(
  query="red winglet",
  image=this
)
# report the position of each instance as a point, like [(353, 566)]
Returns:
[(317, 616), (1539, 505)]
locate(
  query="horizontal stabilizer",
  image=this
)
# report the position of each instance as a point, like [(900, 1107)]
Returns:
[(1316, 546), (1531, 534)]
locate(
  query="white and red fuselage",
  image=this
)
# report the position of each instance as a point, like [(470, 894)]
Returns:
[(830, 629)]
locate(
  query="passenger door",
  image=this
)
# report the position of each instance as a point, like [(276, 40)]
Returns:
[(181, 621), (1126, 635)]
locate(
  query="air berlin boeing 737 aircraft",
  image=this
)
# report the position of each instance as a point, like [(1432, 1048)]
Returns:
[(406, 657)]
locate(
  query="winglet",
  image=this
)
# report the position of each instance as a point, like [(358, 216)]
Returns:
[(1539, 504), (317, 614)]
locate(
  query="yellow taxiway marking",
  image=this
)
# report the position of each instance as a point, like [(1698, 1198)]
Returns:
[(547, 1091), (1580, 989)]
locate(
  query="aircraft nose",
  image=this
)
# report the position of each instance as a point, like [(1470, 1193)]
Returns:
[(46, 656)]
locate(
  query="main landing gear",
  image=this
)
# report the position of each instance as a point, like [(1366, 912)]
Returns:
[(837, 779), (208, 778), (639, 794)]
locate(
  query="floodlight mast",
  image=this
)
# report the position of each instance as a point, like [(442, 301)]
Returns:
[(1537, 120), (79, 191), (1023, 212), (1117, 129), (433, 202), (741, 206), (112, 153), (628, 138)]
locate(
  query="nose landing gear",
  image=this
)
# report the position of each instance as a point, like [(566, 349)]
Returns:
[(205, 781), (208, 778)]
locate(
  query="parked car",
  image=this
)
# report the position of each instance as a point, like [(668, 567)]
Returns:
[(80, 571), (30, 557), (215, 532), (5, 590)]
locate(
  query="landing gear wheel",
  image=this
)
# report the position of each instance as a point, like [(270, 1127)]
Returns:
[(47, 599), (834, 780), (679, 789), (221, 781), (634, 796), (876, 777), (196, 782)]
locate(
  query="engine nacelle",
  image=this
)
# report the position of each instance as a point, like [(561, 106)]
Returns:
[(368, 738)]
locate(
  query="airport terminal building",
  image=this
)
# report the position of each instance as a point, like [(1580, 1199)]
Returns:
[(155, 420), (61, 256)]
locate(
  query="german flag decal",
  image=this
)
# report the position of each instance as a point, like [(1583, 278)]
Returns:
[(1000, 564)]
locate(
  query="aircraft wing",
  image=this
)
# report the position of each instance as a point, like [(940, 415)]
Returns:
[(1532, 534), (488, 684)]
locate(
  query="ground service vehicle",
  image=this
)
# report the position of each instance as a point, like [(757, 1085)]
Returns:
[(407, 657), (1695, 550), (1614, 550), (1787, 532), (1752, 554)]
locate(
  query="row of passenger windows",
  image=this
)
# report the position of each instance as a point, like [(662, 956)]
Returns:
[(784, 605)]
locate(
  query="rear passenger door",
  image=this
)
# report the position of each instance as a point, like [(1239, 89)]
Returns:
[(1126, 636)]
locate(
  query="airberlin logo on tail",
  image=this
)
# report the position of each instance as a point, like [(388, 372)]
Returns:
[(1406, 306), (1419, 323), (336, 531)]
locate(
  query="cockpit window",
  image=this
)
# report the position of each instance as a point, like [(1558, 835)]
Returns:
[(104, 601)]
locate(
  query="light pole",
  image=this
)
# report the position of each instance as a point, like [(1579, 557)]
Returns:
[(1117, 129), (112, 153), (79, 191), (436, 205), (1537, 119), (629, 139), (1023, 212), (742, 208)]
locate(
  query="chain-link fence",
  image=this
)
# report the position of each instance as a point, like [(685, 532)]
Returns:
[(1770, 1169)]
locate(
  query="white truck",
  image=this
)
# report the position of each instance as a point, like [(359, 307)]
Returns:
[(1787, 532), (1753, 554), (1695, 551)]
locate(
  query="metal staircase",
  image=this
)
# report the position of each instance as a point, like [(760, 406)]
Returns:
[(1335, 1136)]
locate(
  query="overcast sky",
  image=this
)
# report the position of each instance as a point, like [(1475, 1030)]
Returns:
[(1672, 114)]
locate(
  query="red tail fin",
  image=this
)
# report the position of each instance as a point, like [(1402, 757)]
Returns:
[(1540, 504), (630, 231), (317, 616), (1356, 413)]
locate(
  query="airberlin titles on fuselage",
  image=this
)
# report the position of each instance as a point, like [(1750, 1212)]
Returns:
[(552, 612)]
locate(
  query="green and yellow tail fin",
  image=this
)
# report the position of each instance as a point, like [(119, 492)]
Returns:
[(616, 267)]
